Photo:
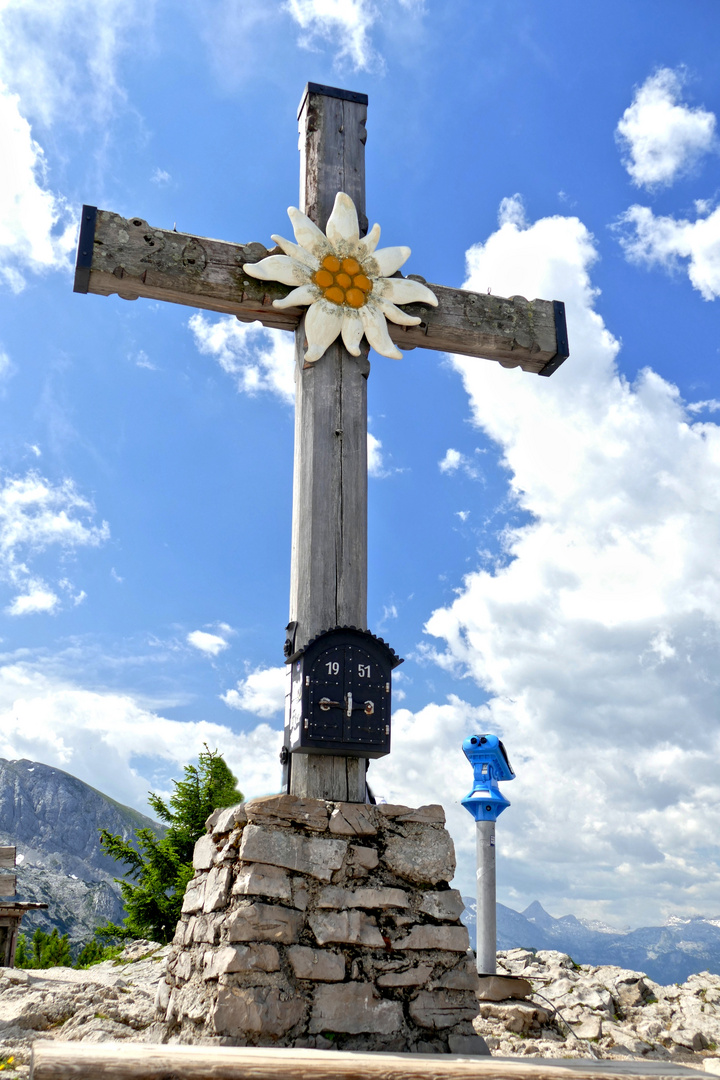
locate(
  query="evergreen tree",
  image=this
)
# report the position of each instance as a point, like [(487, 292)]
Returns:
[(94, 953), (46, 950), (161, 868)]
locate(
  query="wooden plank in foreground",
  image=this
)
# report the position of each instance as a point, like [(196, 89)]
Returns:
[(128, 257), (142, 1061)]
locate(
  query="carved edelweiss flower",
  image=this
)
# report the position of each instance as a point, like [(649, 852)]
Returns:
[(344, 280)]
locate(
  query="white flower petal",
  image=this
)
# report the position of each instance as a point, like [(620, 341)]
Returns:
[(343, 221), (405, 291), (306, 294), (279, 268), (376, 331), (394, 314), (307, 233), (388, 260), (352, 331), (296, 252), (368, 243), (323, 323)]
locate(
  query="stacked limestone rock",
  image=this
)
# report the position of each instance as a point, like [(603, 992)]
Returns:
[(317, 924), (577, 1010)]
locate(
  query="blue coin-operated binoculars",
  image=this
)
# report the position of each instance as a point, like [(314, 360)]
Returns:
[(486, 802), (489, 760)]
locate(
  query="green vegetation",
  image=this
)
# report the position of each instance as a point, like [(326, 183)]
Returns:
[(45, 950), (53, 950), (94, 953), (160, 869)]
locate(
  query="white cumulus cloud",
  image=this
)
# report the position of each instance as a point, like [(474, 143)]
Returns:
[(37, 228), (37, 598), (344, 23), (211, 644), (259, 359), (595, 635), (667, 241), (111, 740), (36, 514), (261, 693), (660, 137)]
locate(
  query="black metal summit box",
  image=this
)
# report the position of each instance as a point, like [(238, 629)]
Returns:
[(339, 695)]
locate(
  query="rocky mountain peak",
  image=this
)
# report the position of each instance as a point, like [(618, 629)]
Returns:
[(53, 819)]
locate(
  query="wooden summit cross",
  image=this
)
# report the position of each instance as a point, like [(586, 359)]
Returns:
[(329, 525)]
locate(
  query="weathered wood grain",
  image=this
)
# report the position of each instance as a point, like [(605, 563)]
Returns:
[(332, 152), (328, 570), (329, 776), (328, 581), (125, 1060), (7, 858), (133, 259), (8, 884)]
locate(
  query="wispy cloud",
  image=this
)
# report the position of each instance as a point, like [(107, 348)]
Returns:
[(661, 138), (454, 462), (6, 367), (35, 515), (160, 177), (710, 405), (346, 24), (667, 241), (260, 360), (62, 57)]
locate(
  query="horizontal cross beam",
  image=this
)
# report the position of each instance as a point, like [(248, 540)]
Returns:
[(131, 258)]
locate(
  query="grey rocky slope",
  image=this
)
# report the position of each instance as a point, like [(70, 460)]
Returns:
[(603, 1012), (53, 819), (668, 953), (112, 1000)]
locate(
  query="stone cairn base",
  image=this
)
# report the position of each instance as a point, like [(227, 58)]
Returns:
[(320, 924)]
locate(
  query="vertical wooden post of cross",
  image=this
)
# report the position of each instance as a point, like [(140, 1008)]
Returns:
[(328, 583)]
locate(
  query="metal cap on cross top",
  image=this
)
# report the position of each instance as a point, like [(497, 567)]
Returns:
[(340, 294)]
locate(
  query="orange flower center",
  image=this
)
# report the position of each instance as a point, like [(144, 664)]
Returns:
[(343, 281)]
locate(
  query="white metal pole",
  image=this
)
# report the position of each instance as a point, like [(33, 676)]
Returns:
[(486, 916)]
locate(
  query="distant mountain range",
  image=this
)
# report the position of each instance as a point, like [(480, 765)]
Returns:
[(53, 819), (668, 953)]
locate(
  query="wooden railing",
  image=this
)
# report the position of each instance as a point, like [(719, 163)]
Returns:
[(140, 1061)]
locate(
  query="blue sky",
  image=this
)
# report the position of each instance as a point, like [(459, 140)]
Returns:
[(542, 551)]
